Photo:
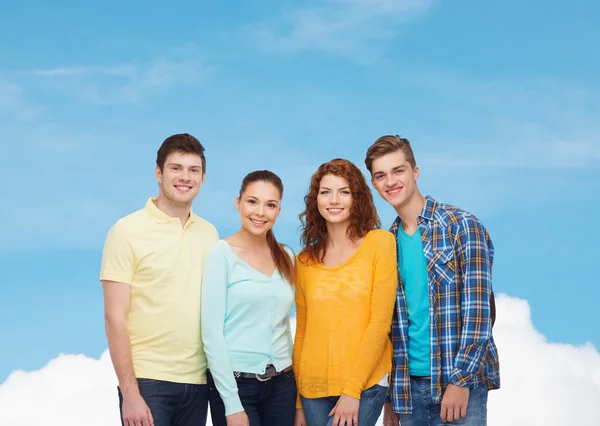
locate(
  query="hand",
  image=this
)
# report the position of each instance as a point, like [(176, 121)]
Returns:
[(345, 412), (390, 418), (135, 411), (454, 403), (299, 420), (238, 419)]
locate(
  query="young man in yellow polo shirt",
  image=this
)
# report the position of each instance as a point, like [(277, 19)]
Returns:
[(152, 276)]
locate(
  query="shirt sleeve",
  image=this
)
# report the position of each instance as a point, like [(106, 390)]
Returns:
[(118, 262), (475, 257), (300, 326), (214, 296), (383, 298)]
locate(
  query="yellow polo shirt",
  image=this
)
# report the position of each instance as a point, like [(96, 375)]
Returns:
[(162, 262)]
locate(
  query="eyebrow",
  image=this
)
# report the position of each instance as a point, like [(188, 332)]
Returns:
[(268, 201), (324, 187), (181, 165), (395, 168)]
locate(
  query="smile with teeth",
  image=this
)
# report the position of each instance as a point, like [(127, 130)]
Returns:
[(258, 222), (394, 191), (182, 188), (335, 210)]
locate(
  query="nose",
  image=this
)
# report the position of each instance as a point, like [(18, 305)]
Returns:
[(335, 198), (185, 175), (260, 210), (389, 180)]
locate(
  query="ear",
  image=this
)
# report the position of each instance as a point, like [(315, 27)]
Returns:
[(237, 203), (416, 172), (203, 177), (372, 182), (158, 174)]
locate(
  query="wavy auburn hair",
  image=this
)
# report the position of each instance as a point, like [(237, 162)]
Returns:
[(363, 215)]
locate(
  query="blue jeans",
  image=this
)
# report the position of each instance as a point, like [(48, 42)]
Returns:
[(427, 413), (268, 403), (173, 404), (316, 410)]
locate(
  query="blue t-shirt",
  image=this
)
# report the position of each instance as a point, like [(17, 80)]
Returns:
[(413, 271)]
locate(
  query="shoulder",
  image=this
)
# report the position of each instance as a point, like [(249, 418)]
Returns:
[(206, 227), (289, 252), (449, 215), (380, 237), (302, 260), (219, 248), (125, 226)]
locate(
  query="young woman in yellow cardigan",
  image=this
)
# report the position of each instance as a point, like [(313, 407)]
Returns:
[(346, 289)]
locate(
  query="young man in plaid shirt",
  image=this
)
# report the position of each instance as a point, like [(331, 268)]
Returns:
[(445, 359)]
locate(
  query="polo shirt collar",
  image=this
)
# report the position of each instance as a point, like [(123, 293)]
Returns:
[(161, 217)]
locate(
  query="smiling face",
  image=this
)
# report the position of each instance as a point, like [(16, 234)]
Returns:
[(334, 199), (259, 207), (395, 179), (181, 178)]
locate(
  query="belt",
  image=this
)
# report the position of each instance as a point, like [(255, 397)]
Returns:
[(269, 373)]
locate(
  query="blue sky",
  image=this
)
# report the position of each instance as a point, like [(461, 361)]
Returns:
[(499, 100)]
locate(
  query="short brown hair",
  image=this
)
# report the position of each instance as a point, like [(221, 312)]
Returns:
[(386, 145), (181, 142)]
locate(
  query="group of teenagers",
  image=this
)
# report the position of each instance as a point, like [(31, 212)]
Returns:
[(398, 320)]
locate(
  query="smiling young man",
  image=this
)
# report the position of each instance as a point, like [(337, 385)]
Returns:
[(152, 275), (445, 359)]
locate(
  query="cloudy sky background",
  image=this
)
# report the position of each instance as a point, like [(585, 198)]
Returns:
[(499, 100)]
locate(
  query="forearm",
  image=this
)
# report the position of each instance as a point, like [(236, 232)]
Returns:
[(298, 344), (119, 346)]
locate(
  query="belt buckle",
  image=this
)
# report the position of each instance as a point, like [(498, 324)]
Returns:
[(267, 375)]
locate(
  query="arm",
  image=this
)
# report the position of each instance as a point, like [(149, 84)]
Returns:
[(116, 310), (475, 259), (376, 336), (118, 264), (300, 328), (214, 297)]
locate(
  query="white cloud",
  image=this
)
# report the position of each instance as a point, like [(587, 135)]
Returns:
[(542, 383), (337, 26)]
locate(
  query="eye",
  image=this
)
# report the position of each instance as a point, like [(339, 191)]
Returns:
[(378, 177), (346, 192), (175, 168), (271, 205), (399, 172), (195, 171), (324, 192), (251, 201)]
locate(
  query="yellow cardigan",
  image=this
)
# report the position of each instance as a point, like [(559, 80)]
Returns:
[(343, 320)]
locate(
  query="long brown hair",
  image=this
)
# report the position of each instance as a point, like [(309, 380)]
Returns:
[(363, 215), (282, 259)]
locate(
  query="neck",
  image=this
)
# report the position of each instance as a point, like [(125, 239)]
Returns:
[(251, 240), (410, 211), (181, 211), (337, 234)]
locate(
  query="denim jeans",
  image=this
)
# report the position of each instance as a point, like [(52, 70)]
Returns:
[(173, 404), (316, 410), (426, 413), (268, 403)]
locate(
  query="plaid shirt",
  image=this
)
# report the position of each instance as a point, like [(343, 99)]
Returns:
[(459, 255)]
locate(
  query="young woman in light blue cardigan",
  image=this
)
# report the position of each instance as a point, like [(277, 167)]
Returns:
[(247, 295)]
